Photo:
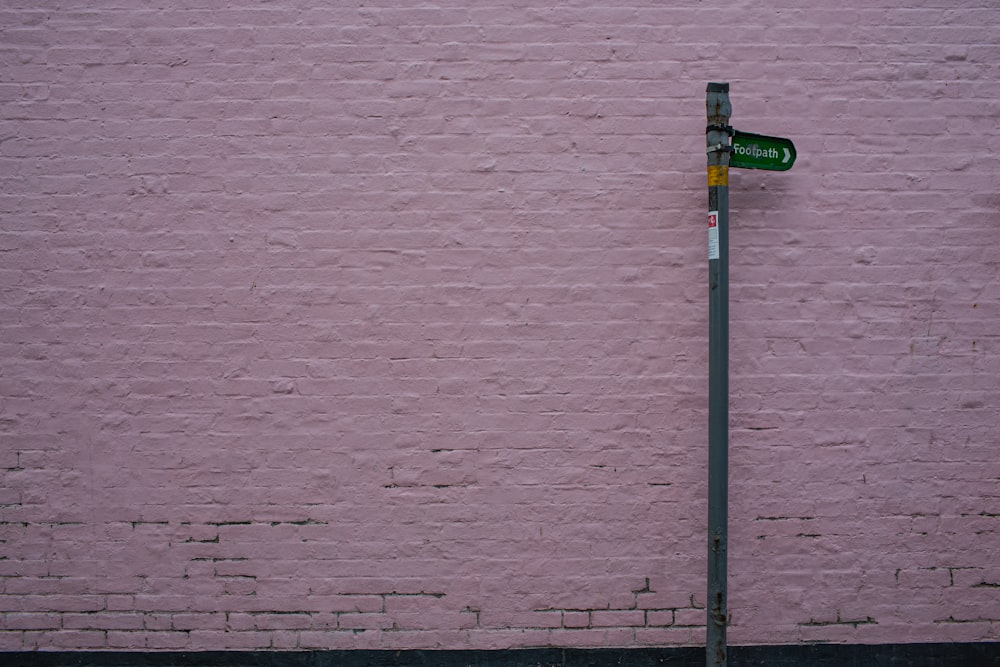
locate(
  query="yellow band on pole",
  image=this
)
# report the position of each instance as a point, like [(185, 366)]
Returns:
[(718, 175)]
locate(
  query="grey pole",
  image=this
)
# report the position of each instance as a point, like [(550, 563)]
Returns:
[(717, 138)]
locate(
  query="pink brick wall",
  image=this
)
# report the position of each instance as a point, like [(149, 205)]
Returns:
[(384, 325)]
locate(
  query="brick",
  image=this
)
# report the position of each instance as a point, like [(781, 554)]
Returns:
[(54, 603), (683, 617), (924, 578), (595, 637), (324, 639), (285, 640), (12, 640), (103, 621), (119, 603), (682, 636), (659, 617), (665, 599), (283, 621), (31, 621), (149, 640), (203, 639), (576, 619), (197, 622), (617, 618), (78, 639), (349, 621)]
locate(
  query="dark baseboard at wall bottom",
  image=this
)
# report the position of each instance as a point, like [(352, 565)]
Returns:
[(981, 654)]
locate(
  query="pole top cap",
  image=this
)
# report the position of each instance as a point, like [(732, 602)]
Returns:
[(718, 88)]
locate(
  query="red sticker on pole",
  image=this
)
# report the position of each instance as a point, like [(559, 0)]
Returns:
[(713, 235)]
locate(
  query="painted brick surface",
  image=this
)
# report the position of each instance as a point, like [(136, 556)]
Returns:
[(383, 325)]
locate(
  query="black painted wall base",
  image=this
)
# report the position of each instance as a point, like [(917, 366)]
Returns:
[(984, 654)]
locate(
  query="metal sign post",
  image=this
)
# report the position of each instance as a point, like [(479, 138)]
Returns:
[(717, 137), (747, 151)]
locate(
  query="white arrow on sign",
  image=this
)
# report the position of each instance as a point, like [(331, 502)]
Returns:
[(788, 154)]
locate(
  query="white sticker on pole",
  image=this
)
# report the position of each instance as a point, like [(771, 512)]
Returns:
[(713, 235)]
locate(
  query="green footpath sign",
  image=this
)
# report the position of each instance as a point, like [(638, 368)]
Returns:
[(757, 151)]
